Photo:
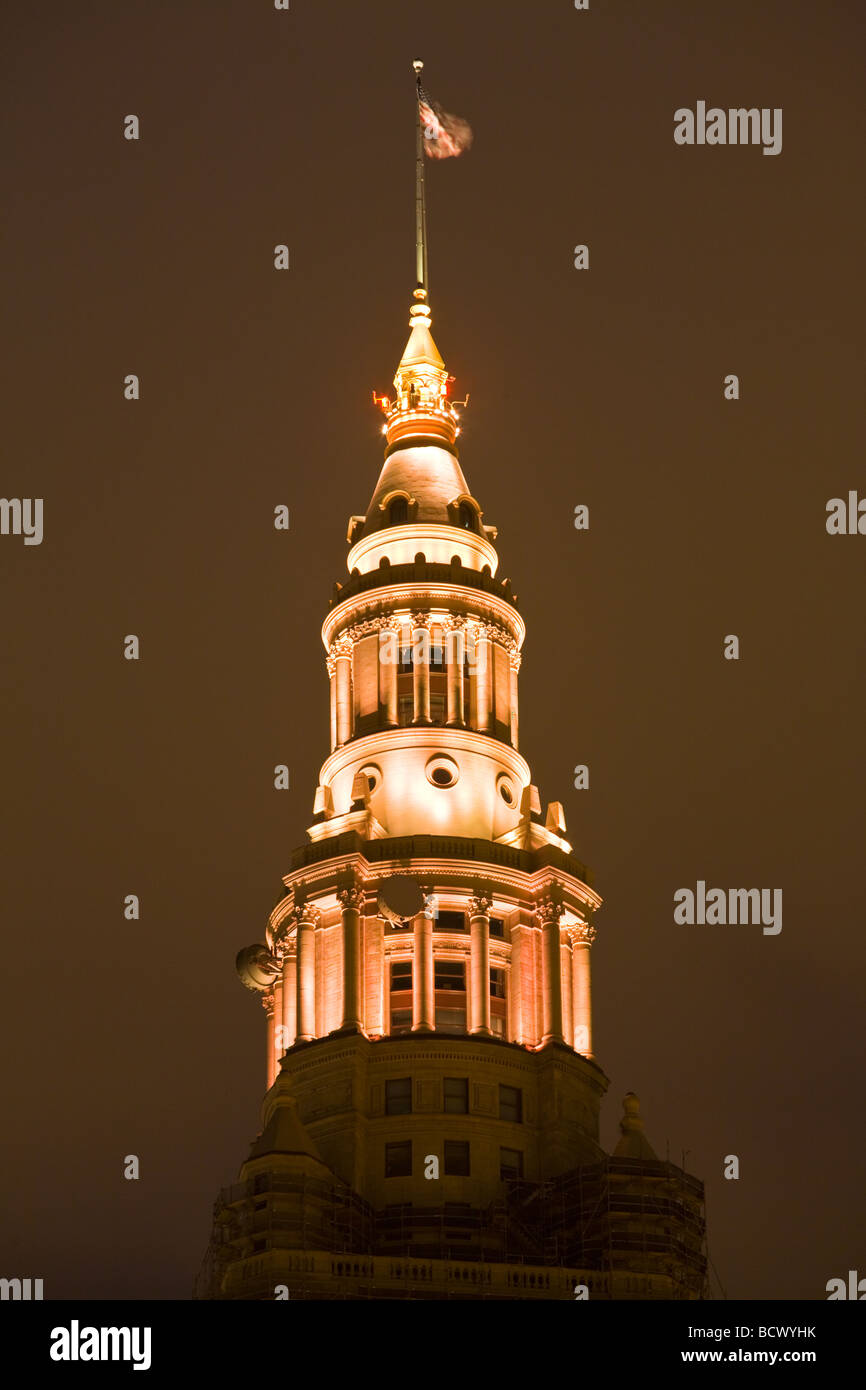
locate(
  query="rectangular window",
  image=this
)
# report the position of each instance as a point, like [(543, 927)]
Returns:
[(497, 1025), (497, 926), (510, 1164), (405, 662), (398, 1096), (398, 1160), (456, 1095), (437, 709), (401, 1020), (511, 1104), (405, 710), (449, 921), (437, 656), (497, 983), (450, 1020), (456, 1158), (449, 974), (401, 975)]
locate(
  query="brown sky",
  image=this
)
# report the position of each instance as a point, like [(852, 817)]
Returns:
[(707, 518)]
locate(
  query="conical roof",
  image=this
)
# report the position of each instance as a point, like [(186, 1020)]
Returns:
[(633, 1143), (283, 1132)]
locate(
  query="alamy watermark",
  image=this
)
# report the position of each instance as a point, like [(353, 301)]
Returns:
[(22, 516), (738, 125), (729, 907)]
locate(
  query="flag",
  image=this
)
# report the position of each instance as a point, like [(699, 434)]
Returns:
[(444, 135)]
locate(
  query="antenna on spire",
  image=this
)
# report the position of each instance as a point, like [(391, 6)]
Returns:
[(420, 197)]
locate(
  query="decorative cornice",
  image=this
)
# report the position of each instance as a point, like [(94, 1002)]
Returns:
[(487, 607)]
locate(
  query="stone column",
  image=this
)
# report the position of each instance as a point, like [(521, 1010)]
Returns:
[(423, 1006), (331, 663), (277, 1022), (308, 916), (518, 1031), (565, 967), (389, 657), (290, 992), (421, 666), (582, 937), (514, 667), (549, 912), (375, 985), (479, 965), (343, 655), (352, 901), (454, 675), (268, 1006), (483, 679)]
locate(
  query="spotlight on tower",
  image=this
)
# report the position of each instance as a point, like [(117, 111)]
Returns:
[(400, 897), (256, 967)]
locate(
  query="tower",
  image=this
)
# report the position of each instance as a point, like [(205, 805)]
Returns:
[(431, 1125)]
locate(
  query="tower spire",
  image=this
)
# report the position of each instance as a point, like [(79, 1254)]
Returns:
[(420, 192)]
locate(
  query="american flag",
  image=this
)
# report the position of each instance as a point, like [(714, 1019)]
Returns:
[(444, 135)]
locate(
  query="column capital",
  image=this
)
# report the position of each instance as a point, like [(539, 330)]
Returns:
[(268, 1002), (342, 646), (420, 619), (352, 897), (583, 933), (479, 906), (331, 663), (548, 911), (307, 912)]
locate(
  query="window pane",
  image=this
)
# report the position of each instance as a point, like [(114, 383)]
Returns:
[(497, 983), (398, 1096), (398, 1160), (511, 1104), (401, 975), (497, 926), (456, 1158), (510, 1163), (401, 1020), (449, 974), (449, 921), (451, 1020), (456, 1095)]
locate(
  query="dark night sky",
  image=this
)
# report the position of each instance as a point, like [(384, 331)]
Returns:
[(707, 518)]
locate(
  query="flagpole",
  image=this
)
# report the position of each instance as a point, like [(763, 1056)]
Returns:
[(420, 198)]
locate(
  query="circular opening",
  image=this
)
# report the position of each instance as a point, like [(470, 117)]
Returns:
[(373, 775), (442, 771), (506, 793)]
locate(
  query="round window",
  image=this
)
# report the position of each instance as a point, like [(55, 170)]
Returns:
[(373, 775), (505, 787), (442, 771)]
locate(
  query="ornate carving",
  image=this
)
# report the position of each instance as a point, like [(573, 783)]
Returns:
[(268, 1002), (307, 912), (584, 934), (548, 910), (331, 663), (352, 897), (342, 645), (367, 628), (479, 907)]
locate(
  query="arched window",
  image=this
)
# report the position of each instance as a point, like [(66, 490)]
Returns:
[(398, 512), (466, 517)]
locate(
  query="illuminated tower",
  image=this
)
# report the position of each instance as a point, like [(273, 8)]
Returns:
[(431, 1127)]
